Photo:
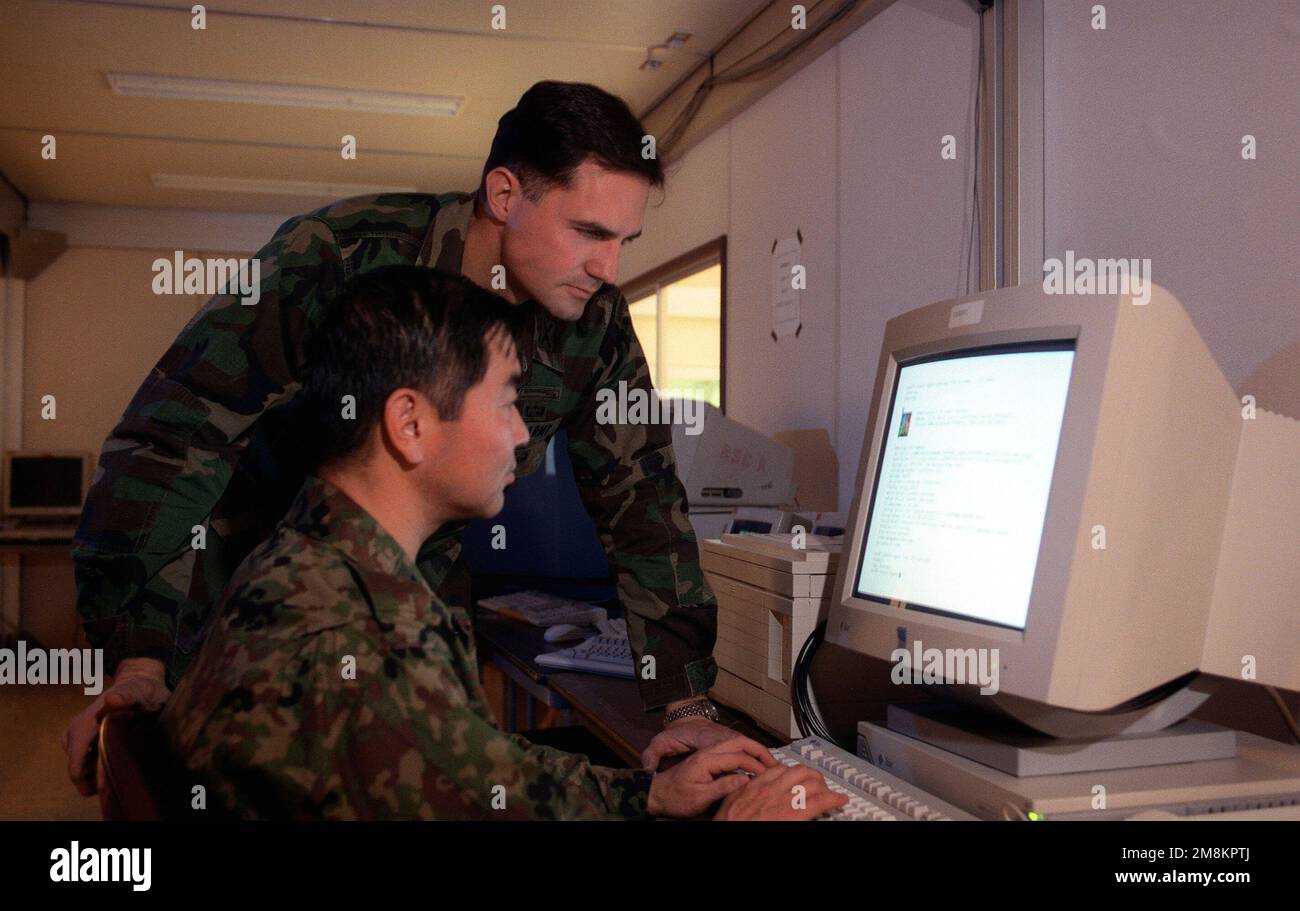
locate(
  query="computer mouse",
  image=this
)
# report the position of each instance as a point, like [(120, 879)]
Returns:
[(563, 632)]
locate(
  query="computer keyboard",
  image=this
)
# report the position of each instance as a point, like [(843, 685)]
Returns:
[(603, 654), (874, 794)]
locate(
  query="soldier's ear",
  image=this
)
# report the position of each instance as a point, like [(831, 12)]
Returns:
[(503, 192), (407, 425)]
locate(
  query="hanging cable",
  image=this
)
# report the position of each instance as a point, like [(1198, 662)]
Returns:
[(1287, 717), (736, 73), (803, 703)]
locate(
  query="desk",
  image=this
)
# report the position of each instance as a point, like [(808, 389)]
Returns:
[(609, 707), (56, 546)]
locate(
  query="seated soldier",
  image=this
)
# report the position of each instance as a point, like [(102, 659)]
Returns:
[(333, 683)]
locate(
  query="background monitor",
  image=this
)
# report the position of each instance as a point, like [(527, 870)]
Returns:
[(45, 483)]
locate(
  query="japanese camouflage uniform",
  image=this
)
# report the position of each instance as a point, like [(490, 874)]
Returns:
[(210, 452), (334, 684)]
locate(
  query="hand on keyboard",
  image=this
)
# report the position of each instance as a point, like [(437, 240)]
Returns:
[(872, 794), (684, 735), (782, 793), (707, 776)]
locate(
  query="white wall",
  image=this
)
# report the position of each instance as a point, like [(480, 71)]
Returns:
[(758, 179), (783, 179), (1143, 125), (693, 209), (1142, 158), (907, 78), (846, 152)]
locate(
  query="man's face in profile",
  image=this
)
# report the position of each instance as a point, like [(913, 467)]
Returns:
[(477, 459), (562, 247)]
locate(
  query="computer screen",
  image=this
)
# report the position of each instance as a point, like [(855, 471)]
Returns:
[(47, 483), (961, 488)]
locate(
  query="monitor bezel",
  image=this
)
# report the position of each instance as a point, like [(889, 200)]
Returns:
[(1148, 443), (882, 440), (31, 512), (1080, 403)]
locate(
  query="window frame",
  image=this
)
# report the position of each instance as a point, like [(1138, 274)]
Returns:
[(708, 254)]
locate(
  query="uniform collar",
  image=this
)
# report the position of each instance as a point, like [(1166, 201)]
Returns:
[(444, 245), (444, 248), (324, 512)]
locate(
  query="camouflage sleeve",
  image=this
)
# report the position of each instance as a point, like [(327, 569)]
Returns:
[(415, 747), (168, 460), (292, 738), (627, 478)]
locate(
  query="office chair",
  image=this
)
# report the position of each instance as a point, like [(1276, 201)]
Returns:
[(138, 776)]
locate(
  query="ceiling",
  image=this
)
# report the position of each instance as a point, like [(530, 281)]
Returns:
[(55, 56)]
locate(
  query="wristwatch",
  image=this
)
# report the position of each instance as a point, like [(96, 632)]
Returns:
[(702, 707)]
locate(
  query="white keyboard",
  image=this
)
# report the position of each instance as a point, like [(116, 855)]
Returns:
[(604, 654), (874, 794)]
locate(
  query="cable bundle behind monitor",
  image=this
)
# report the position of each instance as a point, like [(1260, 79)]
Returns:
[(801, 695)]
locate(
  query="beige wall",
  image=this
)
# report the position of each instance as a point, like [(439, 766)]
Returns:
[(847, 152), (93, 329), (1142, 158), (693, 209)]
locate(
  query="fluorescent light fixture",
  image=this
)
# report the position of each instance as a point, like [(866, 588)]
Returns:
[(298, 96), (264, 187)]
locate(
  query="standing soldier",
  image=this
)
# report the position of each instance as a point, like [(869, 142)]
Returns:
[(209, 453)]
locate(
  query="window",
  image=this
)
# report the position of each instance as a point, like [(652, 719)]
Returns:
[(678, 316)]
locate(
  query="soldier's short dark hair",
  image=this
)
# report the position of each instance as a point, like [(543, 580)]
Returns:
[(557, 126), (403, 326)]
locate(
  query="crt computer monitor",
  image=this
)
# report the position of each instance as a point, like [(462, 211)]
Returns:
[(960, 489), (1047, 475), (44, 484)]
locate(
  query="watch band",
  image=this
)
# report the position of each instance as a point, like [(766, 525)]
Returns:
[(702, 707)]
